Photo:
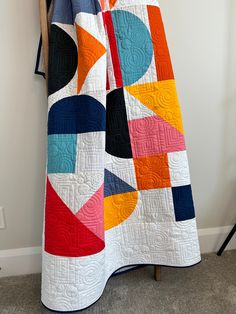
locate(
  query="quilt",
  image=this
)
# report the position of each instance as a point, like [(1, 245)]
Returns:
[(117, 183)]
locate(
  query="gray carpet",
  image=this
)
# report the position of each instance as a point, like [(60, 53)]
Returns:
[(209, 287)]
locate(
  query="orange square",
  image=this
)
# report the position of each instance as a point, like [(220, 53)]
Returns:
[(152, 172)]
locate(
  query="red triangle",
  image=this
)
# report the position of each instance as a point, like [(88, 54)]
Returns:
[(65, 235)]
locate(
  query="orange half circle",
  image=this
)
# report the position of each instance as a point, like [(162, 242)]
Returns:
[(117, 208)]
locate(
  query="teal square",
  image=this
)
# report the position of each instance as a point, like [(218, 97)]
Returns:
[(61, 153)]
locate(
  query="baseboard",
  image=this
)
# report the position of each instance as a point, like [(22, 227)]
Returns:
[(211, 239), (24, 261)]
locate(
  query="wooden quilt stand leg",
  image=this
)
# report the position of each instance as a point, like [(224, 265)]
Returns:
[(157, 273)]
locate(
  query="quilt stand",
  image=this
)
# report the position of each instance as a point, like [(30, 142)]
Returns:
[(45, 40), (227, 240)]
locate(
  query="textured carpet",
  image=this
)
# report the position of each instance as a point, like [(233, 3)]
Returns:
[(209, 287)]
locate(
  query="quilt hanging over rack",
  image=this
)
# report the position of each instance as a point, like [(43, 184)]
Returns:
[(117, 183)]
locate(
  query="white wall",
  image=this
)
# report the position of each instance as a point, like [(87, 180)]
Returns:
[(202, 49), (23, 110)]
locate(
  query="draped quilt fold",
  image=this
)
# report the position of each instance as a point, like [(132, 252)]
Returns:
[(117, 186)]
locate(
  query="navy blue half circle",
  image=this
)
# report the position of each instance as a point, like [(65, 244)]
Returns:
[(76, 114), (117, 132), (63, 59), (114, 185)]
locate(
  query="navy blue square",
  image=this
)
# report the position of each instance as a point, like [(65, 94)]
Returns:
[(183, 202)]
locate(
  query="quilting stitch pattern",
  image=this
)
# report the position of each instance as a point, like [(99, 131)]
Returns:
[(117, 188)]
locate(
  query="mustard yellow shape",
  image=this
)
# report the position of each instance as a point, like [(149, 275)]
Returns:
[(160, 97), (117, 208)]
